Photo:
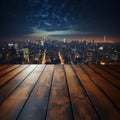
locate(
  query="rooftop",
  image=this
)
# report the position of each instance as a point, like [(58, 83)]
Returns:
[(59, 92)]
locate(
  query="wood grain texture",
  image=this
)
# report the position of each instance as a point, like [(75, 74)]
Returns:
[(10, 108), (3, 67), (114, 67), (59, 104), (59, 92), (7, 89), (105, 86), (105, 108), (4, 79), (106, 75), (36, 107), (8, 69), (111, 71), (82, 108)]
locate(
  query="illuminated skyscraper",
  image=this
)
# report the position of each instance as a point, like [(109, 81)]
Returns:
[(26, 55)]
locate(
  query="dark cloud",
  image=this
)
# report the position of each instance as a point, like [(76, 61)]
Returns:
[(19, 17)]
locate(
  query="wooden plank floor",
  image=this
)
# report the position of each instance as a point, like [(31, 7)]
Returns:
[(59, 92)]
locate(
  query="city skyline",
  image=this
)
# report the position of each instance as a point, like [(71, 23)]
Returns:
[(78, 19), (59, 52)]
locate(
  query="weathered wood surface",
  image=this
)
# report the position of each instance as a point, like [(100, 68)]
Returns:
[(59, 92)]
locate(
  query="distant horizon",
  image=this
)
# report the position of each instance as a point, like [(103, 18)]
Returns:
[(88, 39)]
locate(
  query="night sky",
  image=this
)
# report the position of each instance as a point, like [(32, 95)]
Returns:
[(33, 19)]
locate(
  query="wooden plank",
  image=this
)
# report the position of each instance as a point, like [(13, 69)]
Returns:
[(2, 67), (113, 80), (4, 79), (114, 67), (82, 108), (11, 107), (111, 71), (59, 105), (105, 86), (7, 89), (9, 69), (103, 106), (36, 106)]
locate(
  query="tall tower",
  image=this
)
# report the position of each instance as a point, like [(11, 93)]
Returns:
[(64, 40), (104, 38), (44, 38)]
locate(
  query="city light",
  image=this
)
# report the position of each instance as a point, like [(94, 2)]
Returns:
[(59, 52)]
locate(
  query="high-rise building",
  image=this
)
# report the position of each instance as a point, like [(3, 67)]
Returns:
[(16, 46), (89, 55), (41, 42), (26, 55)]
